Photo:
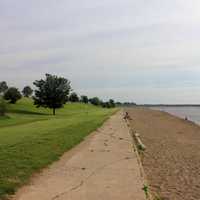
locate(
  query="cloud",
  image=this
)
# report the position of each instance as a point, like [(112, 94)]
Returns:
[(103, 45)]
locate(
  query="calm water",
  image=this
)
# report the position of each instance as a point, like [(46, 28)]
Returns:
[(192, 113)]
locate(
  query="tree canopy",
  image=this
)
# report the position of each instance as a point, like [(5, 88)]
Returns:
[(52, 92), (112, 103), (73, 97), (95, 101), (84, 99), (12, 95), (27, 91)]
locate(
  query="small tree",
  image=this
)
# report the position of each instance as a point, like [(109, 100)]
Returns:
[(3, 87), (3, 106), (12, 95), (95, 101), (84, 99), (73, 97), (112, 103), (27, 91), (51, 92)]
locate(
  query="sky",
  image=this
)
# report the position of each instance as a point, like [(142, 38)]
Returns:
[(130, 50)]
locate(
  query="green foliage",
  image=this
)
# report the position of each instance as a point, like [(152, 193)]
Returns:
[(3, 106), (105, 104), (146, 190), (95, 101), (12, 95), (112, 103), (109, 104), (84, 99), (31, 139), (51, 92), (140, 148), (27, 91), (118, 103), (3, 87), (73, 97)]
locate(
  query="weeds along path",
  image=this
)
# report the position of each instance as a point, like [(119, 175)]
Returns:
[(104, 166)]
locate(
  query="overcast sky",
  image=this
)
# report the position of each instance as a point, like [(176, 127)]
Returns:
[(130, 50)]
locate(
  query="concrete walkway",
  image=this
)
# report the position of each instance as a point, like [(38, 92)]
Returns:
[(103, 167)]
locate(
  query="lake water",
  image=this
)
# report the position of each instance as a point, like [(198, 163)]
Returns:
[(192, 113)]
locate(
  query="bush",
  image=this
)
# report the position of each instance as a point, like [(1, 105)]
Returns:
[(3, 106), (12, 95)]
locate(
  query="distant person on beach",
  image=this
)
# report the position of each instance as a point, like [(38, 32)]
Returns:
[(127, 117), (186, 119)]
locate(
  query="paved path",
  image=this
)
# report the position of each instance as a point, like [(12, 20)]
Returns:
[(103, 167)]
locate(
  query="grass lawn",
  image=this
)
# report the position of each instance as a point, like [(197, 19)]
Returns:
[(32, 138)]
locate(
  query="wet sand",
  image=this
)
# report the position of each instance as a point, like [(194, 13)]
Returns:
[(103, 167), (172, 158)]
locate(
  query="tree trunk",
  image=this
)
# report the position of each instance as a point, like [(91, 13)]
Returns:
[(54, 111)]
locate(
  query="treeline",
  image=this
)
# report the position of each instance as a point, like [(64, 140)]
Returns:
[(51, 92), (127, 104)]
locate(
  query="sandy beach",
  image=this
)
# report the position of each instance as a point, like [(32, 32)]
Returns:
[(172, 158)]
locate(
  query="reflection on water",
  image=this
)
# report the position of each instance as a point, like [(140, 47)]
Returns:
[(192, 113)]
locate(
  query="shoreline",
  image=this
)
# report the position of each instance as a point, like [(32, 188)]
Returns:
[(172, 158), (176, 116)]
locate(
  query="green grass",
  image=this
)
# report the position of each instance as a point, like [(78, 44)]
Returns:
[(32, 138)]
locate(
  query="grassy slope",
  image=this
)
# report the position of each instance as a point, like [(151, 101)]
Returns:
[(32, 138)]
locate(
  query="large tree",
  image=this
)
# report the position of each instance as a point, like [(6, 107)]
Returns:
[(27, 91), (73, 97), (3, 87), (52, 92), (12, 95)]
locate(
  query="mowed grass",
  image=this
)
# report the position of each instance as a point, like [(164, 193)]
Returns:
[(32, 138)]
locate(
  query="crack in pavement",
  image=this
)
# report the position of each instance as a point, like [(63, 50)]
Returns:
[(63, 193), (87, 178)]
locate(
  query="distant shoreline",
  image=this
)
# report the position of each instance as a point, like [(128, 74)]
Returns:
[(161, 105), (169, 105)]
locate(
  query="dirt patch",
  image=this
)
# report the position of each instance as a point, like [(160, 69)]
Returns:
[(172, 158)]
